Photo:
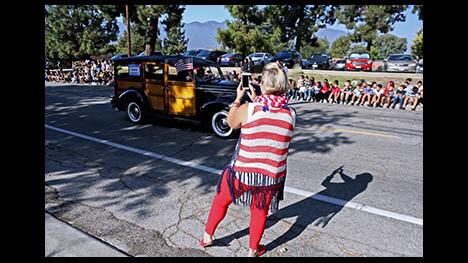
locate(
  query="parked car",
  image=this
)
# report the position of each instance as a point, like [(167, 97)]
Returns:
[(192, 52), (151, 86), (400, 63), (419, 66), (305, 63), (155, 53), (320, 61), (339, 64), (260, 59), (359, 61), (212, 55), (230, 60), (290, 58)]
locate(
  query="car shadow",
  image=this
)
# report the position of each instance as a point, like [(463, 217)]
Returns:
[(311, 210)]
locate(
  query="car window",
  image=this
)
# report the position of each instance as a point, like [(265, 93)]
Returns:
[(184, 75), (359, 56), (154, 71), (399, 57)]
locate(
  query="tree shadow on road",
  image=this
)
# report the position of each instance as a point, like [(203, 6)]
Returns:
[(87, 110), (311, 210)]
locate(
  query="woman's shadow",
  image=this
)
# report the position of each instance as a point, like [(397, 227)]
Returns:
[(310, 210)]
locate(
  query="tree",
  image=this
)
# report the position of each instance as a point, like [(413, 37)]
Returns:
[(368, 20), (145, 19), (299, 23), (417, 47), (358, 48), (389, 44), (319, 46), (77, 32), (148, 16), (340, 46), (247, 33), (137, 40), (175, 42), (418, 9)]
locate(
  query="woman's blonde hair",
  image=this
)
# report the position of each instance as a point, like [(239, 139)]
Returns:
[(274, 80)]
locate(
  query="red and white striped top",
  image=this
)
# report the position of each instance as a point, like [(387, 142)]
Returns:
[(264, 141)]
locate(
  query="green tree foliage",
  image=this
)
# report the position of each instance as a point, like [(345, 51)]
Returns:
[(299, 23), (340, 46), (389, 44), (417, 47), (357, 48), (418, 9), (367, 20), (175, 42), (77, 32), (246, 34), (137, 41), (145, 19), (319, 46)]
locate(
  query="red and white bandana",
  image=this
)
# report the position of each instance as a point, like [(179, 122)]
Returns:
[(272, 101)]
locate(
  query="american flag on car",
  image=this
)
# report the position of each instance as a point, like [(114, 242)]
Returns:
[(184, 64)]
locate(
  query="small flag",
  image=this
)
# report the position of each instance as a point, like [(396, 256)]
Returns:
[(184, 64)]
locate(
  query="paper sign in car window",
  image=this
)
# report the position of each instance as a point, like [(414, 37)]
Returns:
[(134, 70)]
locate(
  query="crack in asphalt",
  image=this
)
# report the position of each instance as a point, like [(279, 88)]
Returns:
[(133, 239)]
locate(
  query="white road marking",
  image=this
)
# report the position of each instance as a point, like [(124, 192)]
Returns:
[(307, 194)]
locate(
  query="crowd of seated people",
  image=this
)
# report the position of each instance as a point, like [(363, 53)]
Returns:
[(370, 94), (98, 72)]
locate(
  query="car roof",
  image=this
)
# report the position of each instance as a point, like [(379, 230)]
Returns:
[(170, 59)]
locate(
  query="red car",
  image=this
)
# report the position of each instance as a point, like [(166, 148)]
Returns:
[(359, 61)]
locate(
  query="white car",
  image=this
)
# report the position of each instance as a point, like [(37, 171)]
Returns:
[(260, 58)]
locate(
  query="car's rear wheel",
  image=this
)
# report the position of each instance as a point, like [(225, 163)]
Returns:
[(135, 112), (220, 126)]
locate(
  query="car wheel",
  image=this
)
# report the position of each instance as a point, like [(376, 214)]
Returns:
[(220, 126), (135, 112)]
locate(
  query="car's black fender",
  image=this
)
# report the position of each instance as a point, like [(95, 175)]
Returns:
[(131, 94)]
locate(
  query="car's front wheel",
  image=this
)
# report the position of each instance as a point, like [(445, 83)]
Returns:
[(220, 126), (135, 112)]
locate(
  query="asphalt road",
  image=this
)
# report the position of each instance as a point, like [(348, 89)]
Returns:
[(105, 177)]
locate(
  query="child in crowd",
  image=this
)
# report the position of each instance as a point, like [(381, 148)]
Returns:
[(346, 92), (399, 97), (335, 92)]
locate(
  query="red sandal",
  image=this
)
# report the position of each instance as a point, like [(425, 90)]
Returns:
[(203, 244), (261, 249)]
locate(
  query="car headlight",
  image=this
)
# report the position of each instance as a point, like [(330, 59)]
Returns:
[(348, 61)]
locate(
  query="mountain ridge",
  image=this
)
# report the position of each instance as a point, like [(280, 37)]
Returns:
[(207, 38)]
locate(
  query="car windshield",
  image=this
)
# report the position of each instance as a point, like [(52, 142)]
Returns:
[(209, 72), (319, 56), (358, 55), (400, 57), (283, 54), (341, 61), (258, 55), (202, 53)]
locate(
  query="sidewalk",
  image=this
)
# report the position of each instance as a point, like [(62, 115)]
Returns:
[(63, 240)]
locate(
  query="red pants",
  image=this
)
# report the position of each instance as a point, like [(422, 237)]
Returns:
[(219, 208)]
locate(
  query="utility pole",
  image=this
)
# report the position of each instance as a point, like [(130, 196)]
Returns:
[(129, 44)]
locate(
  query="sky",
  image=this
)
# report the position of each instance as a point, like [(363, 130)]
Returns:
[(203, 13)]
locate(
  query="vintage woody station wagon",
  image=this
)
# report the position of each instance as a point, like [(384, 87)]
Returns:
[(151, 85)]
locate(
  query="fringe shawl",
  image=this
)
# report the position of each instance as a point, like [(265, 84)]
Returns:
[(255, 187)]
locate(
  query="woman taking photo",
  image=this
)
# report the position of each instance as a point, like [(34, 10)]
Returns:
[(256, 174)]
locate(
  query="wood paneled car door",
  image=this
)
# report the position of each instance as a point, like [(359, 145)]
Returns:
[(181, 96), (154, 85)]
